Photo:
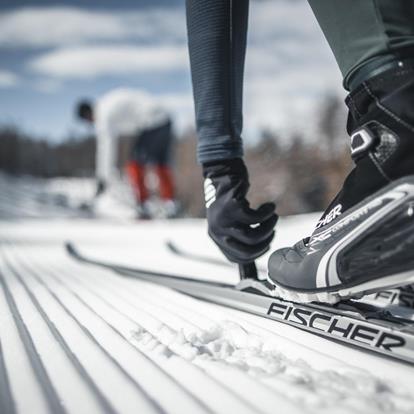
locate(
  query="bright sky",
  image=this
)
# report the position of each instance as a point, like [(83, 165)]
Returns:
[(53, 53)]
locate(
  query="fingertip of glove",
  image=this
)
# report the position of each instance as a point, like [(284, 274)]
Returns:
[(267, 210), (267, 207)]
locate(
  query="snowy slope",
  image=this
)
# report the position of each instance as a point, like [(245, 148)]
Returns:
[(78, 339)]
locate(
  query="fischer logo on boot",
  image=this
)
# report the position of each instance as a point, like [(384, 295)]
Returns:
[(332, 215)]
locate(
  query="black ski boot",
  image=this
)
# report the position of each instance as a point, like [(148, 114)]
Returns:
[(364, 241)]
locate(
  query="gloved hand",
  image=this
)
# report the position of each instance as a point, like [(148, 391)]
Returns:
[(241, 233)]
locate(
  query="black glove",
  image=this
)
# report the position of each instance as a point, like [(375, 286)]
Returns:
[(242, 234)]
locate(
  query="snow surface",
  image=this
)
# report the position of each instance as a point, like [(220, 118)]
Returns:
[(112, 344)]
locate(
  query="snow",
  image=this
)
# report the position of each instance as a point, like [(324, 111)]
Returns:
[(116, 344)]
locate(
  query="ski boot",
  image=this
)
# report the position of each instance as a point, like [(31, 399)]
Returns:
[(364, 241), (170, 209), (144, 211)]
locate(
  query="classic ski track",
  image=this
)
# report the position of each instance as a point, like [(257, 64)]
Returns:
[(166, 294), (237, 391), (146, 285), (129, 273), (7, 405), (273, 387), (164, 288), (217, 377), (106, 406), (239, 402), (89, 334), (199, 407), (57, 279), (68, 280), (234, 391), (48, 389), (200, 404), (14, 350)]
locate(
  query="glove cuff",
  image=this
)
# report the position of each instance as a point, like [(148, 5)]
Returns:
[(234, 166)]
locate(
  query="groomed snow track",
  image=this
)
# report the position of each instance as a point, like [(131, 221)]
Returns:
[(77, 339), (76, 348), (74, 333)]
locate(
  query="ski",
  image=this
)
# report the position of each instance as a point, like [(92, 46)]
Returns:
[(178, 251), (401, 297), (361, 325)]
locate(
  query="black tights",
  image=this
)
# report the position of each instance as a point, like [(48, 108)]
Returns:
[(366, 36)]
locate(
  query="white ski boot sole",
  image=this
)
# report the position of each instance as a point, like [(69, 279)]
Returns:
[(354, 292)]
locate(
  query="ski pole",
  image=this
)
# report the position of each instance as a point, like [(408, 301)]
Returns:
[(248, 270)]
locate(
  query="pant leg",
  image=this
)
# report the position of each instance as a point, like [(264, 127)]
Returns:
[(166, 182), (136, 175), (366, 36), (217, 31), (163, 145)]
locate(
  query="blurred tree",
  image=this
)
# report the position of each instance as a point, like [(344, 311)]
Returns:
[(332, 121), (20, 154)]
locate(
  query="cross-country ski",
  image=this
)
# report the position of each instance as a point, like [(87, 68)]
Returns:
[(359, 325)]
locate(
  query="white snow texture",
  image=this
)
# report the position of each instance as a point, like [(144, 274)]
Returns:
[(113, 344)]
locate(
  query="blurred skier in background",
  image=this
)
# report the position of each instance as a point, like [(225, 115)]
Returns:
[(126, 113), (364, 240)]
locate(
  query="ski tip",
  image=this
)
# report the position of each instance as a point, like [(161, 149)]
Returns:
[(70, 248), (171, 246)]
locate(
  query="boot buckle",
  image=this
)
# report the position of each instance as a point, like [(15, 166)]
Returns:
[(361, 141)]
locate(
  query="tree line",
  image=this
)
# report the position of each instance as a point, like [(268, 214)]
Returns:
[(21, 154)]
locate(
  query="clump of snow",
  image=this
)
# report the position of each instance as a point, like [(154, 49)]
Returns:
[(229, 345)]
